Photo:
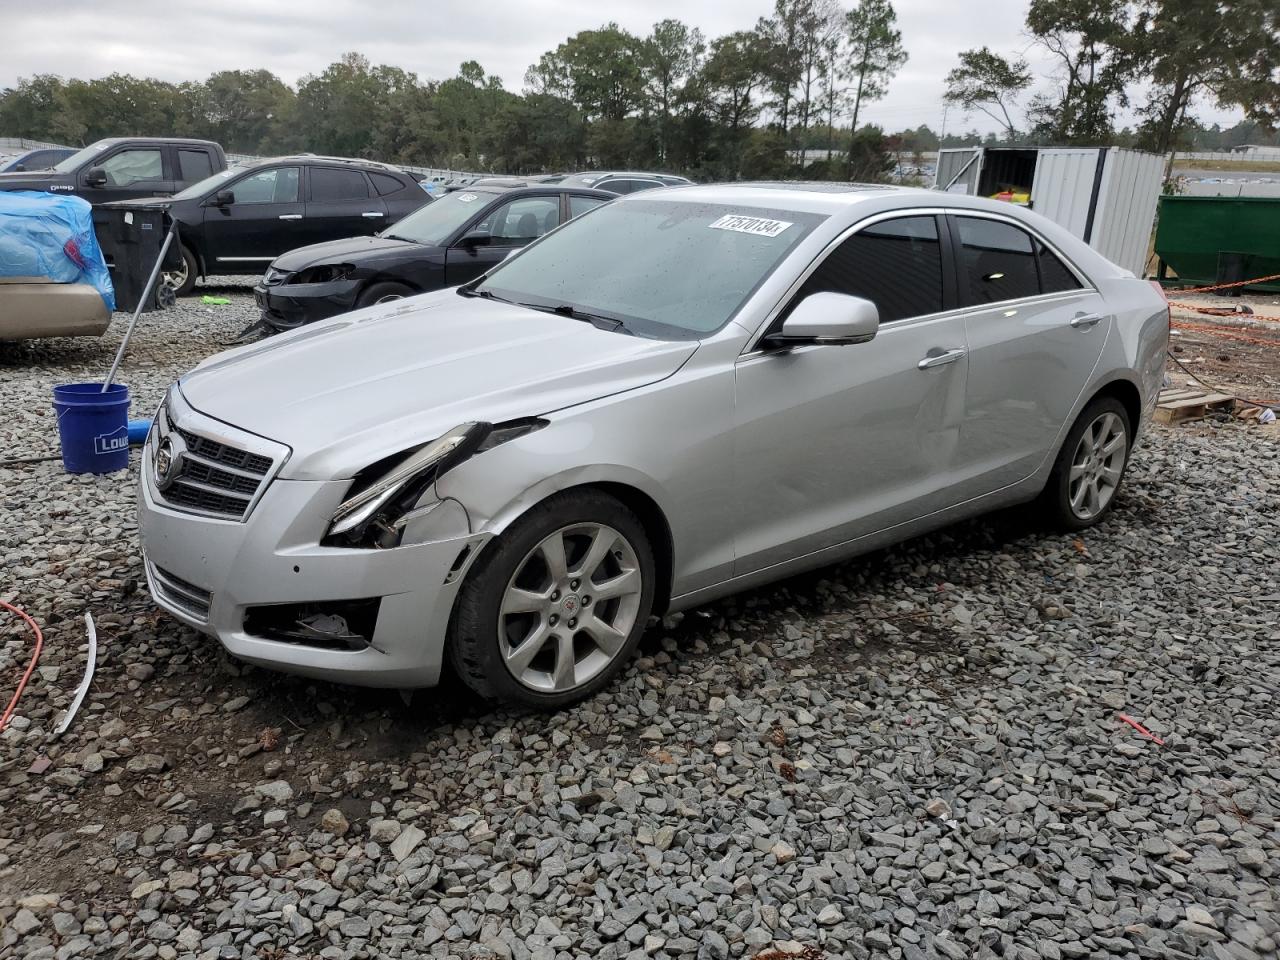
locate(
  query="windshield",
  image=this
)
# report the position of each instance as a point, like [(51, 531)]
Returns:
[(674, 271), (437, 221), (200, 188), (73, 162)]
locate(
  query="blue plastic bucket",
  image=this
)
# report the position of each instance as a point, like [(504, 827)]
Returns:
[(93, 426)]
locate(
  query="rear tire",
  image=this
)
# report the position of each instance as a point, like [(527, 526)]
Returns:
[(382, 293), (554, 608), (183, 280), (1090, 466)]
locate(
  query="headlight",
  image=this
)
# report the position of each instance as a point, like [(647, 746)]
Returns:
[(411, 475), (383, 497), (325, 273)]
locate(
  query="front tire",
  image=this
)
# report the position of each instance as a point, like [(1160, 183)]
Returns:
[(382, 293), (555, 607), (1090, 467)]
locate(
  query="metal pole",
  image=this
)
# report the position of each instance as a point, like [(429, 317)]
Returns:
[(133, 321)]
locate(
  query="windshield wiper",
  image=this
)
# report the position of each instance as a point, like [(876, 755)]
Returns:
[(482, 294), (586, 316)]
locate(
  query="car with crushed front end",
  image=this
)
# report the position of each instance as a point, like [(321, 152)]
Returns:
[(448, 243), (239, 220), (676, 396)]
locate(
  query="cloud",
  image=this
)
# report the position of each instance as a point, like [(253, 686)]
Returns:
[(179, 40)]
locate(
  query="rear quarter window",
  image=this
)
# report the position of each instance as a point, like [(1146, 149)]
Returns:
[(384, 183)]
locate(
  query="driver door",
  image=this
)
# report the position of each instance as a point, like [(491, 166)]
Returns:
[(836, 442), (509, 226), (264, 221)]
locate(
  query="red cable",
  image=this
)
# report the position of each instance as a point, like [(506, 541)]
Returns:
[(22, 684)]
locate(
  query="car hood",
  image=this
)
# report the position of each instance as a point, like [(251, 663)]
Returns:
[(11, 178), (343, 251), (349, 391)]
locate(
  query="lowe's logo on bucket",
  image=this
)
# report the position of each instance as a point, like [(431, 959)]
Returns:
[(112, 442)]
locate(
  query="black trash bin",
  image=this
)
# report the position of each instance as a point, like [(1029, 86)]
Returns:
[(131, 236)]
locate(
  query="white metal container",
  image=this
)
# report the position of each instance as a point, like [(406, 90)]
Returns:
[(1106, 196)]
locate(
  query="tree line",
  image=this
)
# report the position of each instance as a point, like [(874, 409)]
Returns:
[(732, 106)]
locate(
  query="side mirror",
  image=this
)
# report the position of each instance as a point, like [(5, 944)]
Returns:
[(19, 167), (829, 318), (476, 238), (224, 198), (96, 177)]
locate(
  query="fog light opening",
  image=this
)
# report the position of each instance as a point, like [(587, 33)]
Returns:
[(337, 625), (458, 564)]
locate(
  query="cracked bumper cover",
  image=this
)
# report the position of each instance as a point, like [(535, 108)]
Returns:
[(287, 306), (274, 557)]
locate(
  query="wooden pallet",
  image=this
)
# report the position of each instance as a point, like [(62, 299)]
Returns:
[(1180, 405)]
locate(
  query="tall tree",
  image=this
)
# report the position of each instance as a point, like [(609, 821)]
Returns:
[(987, 81), (875, 55), (1088, 39), (673, 54), (1228, 50)]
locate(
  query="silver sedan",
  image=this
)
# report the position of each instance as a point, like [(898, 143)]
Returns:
[(676, 396)]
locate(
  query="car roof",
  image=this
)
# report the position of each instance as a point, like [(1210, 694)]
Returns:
[(594, 175), (507, 189), (319, 160), (111, 141), (817, 197)]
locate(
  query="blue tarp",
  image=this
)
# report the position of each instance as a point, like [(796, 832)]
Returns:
[(45, 235)]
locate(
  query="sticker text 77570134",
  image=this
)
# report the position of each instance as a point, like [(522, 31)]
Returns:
[(758, 226)]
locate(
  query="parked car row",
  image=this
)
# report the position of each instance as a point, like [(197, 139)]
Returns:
[(671, 397)]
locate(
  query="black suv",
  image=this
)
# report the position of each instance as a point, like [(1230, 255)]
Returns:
[(239, 220), (454, 240), (123, 168)]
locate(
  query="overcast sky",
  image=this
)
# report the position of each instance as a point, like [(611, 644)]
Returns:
[(180, 40)]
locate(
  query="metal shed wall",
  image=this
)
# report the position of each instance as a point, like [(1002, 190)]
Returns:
[(950, 162), (1126, 209), (1063, 187)]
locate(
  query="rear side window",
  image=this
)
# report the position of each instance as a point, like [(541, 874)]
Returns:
[(328, 184), (580, 205), (194, 166), (997, 261), (896, 264), (1054, 274), (385, 183)]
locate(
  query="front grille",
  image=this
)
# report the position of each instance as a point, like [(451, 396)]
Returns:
[(214, 478), (222, 454), (180, 593)]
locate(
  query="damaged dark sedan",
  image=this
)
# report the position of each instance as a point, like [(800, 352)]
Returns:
[(451, 241)]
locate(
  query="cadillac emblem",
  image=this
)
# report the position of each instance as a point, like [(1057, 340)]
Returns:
[(166, 463)]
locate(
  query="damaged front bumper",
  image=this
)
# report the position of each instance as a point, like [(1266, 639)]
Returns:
[(292, 305), (274, 597)]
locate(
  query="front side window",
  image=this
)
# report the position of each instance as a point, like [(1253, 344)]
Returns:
[(996, 261), (328, 184), (277, 185), (669, 270), (193, 165), (521, 221), (896, 264), (131, 166)]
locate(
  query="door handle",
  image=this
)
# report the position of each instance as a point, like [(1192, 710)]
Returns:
[(1086, 320), (373, 214), (290, 216), (938, 359)]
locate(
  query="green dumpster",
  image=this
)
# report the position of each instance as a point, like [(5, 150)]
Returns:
[(1207, 240)]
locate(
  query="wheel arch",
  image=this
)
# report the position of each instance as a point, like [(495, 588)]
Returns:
[(639, 501), (1129, 395)]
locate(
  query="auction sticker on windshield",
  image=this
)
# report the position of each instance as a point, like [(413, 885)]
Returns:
[(467, 197), (759, 226)]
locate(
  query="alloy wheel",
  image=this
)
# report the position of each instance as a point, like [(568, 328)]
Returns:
[(174, 279), (569, 608), (1097, 465)]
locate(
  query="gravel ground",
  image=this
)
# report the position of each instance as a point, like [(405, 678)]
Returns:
[(917, 754)]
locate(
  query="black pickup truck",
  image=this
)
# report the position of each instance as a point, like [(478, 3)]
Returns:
[(124, 168)]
